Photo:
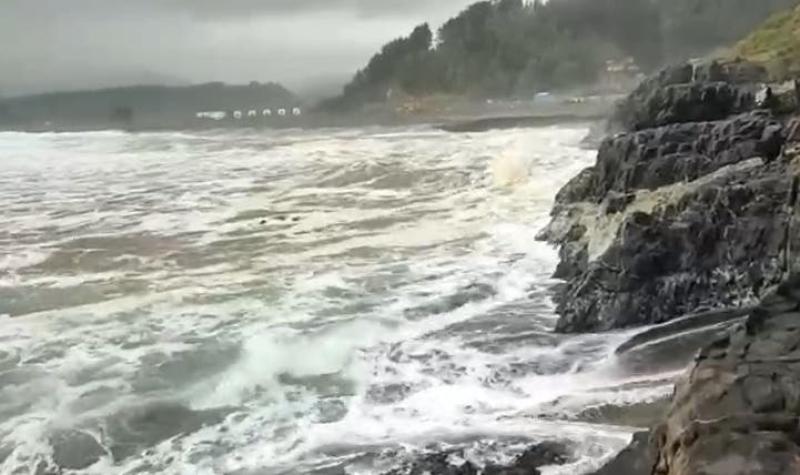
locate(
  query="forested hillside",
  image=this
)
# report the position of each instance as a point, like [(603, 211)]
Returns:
[(503, 48)]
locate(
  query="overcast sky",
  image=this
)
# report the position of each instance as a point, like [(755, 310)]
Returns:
[(68, 44)]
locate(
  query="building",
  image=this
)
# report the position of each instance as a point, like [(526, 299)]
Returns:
[(212, 115)]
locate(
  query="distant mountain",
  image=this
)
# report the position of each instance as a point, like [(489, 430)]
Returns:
[(139, 106)]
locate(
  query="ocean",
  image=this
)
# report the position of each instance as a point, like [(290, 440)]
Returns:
[(291, 302)]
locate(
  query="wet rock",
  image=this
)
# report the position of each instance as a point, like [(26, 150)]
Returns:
[(579, 188), (675, 220), (453, 462), (388, 393), (642, 415), (671, 97), (717, 246), (637, 459), (652, 158), (737, 410), (134, 429), (75, 450), (471, 293), (439, 464)]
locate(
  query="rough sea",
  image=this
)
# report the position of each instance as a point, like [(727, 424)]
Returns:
[(291, 302)]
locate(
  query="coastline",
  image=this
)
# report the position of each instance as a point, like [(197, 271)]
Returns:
[(689, 215)]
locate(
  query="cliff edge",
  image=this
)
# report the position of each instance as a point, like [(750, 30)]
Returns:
[(692, 207)]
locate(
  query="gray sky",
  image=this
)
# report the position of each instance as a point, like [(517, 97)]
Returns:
[(68, 44)]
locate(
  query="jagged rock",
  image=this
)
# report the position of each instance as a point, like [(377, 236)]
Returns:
[(656, 157), (737, 410), (715, 247), (672, 97), (681, 218), (578, 188)]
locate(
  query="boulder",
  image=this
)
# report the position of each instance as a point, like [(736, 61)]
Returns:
[(737, 411), (717, 246)]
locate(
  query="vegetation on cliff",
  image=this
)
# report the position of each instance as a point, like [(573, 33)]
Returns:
[(776, 45), (500, 48)]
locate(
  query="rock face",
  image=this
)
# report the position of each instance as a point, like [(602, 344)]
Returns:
[(737, 412), (689, 210), (693, 209), (688, 93)]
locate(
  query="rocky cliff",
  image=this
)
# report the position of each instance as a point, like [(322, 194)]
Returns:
[(689, 209), (692, 207)]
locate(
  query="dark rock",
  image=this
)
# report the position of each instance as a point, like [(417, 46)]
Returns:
[(637, 459), (138, 428), (436, 464), (716, 242), (579, 188), (617, 202), (471, 293), (720, 245), (737, 410), (679, 326), (528, 463), (671, 97), (75, 450), (738, 71), (546, 453), (641, 414), (662, 156)]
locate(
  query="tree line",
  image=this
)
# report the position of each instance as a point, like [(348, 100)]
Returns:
[(502, 48)]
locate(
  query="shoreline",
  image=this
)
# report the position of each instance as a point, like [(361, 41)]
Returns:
[(688, 220)]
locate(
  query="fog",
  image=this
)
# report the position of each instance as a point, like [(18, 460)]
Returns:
[(311, 46)]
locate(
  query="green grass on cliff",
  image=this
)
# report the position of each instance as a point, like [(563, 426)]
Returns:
[(775, 44)]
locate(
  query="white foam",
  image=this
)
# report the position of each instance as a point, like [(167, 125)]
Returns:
[(324, 304)]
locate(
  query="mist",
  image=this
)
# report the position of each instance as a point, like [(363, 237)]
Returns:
[(311, 46)]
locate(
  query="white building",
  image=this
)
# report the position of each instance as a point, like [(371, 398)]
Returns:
[(267, 112), (237, 114), (282, 112), (211, 115), (296, 111), (252, 113)]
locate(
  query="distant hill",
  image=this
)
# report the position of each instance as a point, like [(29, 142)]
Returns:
[(139, 106), (515, 48), (775, 44)]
